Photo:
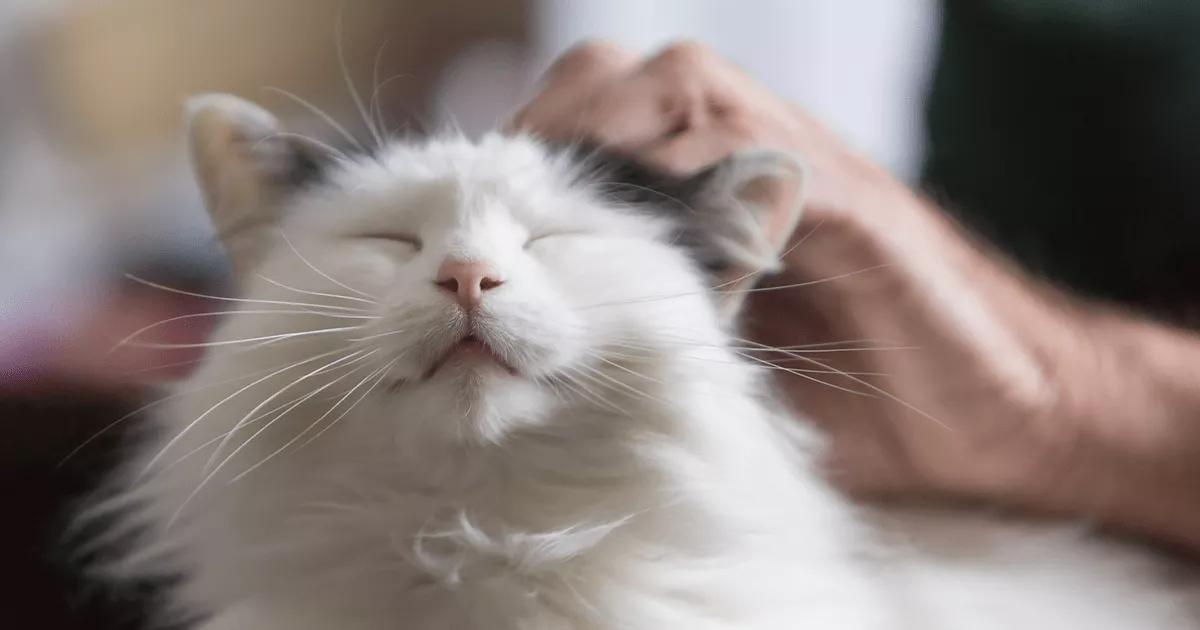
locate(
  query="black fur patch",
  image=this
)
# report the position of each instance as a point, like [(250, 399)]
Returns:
[(678, 198)]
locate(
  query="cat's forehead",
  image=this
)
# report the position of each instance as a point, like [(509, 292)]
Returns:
[(455, 178)]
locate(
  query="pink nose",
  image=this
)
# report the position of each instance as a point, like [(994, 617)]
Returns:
[(467, 281)]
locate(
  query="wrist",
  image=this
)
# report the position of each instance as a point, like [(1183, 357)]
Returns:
[(1133, 403)]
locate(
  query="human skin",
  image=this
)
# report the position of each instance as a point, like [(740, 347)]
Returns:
[(1005, 390)]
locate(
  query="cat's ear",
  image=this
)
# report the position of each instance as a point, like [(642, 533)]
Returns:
[(749, 206), (246, 166)]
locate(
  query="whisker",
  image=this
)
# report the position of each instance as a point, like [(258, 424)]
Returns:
[(320, 113), (623, 390), (373, 107), (621, 384), (168, 289), (829, 350), (879, 390), (746, 275), (278, 417), (378, 335), (752, 347), (735, 291), (808, 283), (291, 404), (575, 385), (549, 383), (814, 348), (205, 357), (301, 434), (334, 152), (784, 254), (825, 344), (204, 482), (339, 28), (646, 189), (735, 280), (188, 316), (220, 447), (627, 370), (318, 293), (731, 361), (631, 357), (375, 96), (382, 376), (805, 376), (154, 403), (231, 342), (821, 347), (179, 436), (322, 273), (165, 366), (777, 364)]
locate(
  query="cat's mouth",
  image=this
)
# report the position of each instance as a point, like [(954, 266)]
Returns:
[(470, 350)]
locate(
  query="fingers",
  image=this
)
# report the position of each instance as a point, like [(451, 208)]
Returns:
[(666, 97), (606, 94), (676, 94), (632, 115), (683, 109), (571, 87), (695, 149)]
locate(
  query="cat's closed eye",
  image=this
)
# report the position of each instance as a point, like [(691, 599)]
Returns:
[(536, 238), (394, 237)]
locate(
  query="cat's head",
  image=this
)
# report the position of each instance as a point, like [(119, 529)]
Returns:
[(477, 286)]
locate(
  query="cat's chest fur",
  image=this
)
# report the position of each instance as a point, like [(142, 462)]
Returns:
[(663, 503)]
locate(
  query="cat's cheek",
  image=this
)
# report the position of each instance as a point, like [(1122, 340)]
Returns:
[(374, 266), (569, 270), (565, 347), (548, 251)]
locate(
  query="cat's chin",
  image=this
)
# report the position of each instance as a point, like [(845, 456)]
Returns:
[(470, 400), (468, 356), (467, 374), (461, 365)]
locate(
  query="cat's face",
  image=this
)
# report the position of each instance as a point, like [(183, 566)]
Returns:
[(491, 281), (475, 288)]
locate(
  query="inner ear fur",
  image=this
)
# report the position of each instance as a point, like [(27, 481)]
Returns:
[(749, 207), (246, 165)]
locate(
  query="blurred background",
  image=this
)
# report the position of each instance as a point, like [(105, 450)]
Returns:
[(1066, 131)]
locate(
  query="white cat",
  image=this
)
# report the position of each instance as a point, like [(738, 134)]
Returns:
[(465, 390)]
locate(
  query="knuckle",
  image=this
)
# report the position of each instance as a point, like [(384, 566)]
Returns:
[(685, 53), (739, 122), (593, 53)]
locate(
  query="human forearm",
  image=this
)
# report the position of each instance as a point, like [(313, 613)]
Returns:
[(1060, 405), (1138, 405)]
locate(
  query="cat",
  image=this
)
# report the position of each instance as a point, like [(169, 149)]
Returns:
[(482, 384)]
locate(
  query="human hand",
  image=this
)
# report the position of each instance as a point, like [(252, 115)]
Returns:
[(687, 108), (968, 408)]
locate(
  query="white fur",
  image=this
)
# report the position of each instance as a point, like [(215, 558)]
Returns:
[(655, 490)]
